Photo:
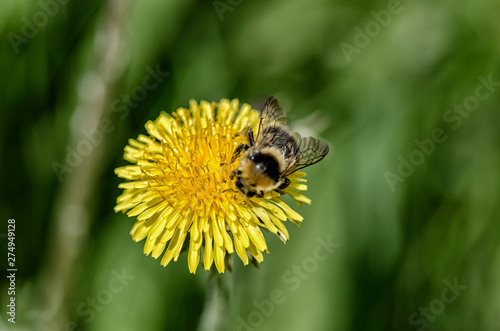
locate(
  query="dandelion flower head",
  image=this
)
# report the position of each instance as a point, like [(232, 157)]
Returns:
[(179, 188)]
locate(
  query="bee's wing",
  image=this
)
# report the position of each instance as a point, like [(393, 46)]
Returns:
[(312, 150), (272, 113)]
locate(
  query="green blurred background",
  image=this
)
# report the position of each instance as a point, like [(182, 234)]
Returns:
[(368, 77)]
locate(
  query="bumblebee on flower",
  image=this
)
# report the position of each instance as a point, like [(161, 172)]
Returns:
[(202, 172)]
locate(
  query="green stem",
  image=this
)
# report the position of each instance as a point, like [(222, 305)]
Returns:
[(73, 211), (216, 310)]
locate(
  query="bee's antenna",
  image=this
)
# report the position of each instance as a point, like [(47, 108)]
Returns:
[(230, 189)]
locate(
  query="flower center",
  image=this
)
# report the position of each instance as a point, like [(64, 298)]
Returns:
[(192, 170)]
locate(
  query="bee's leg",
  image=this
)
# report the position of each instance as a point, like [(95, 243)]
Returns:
[(285, 184), (234, 173), (259, 194), (238, 151), (251, 140)]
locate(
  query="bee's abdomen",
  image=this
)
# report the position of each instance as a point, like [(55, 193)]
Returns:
[(282, 140)]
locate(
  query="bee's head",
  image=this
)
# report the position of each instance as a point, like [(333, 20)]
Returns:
[(247, 188), (247, 185), (256, 174)]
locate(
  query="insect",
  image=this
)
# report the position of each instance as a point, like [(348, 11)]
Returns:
[(274, 154)]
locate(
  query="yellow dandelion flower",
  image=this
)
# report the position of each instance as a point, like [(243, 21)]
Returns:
[(180, 190)]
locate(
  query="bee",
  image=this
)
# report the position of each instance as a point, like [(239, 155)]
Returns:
[(274, 154)]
